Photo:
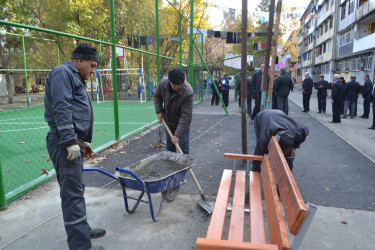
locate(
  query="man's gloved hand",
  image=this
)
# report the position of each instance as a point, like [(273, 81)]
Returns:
[(88, 149), (73, 152)]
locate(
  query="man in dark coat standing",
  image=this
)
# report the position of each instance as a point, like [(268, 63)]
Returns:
[(283, 86), (248, 94), (366, 93), (351, 94), (322, 87), (256, 83), (215, 95), (289, 133), (173, 101), (373, 108), (307, 91), (337, 98)]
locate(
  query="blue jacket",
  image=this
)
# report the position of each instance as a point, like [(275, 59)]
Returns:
[(68, 109), (225, 85), (351, 91)]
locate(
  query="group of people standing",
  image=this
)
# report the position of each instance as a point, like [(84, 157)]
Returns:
[(345, 95), (222, 85)]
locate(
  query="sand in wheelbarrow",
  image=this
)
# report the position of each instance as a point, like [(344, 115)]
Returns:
[(157, 169)]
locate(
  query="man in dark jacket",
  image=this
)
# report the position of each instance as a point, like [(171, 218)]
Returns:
[(173, 101), (366, 93), (307, 92), (256, 83), (337, 98), (373, 109), (283, 86), (215, 95), (343, 83), (274, 95), (69, 114), (290, 134), (248, 94), (322, 87), (351, 94)]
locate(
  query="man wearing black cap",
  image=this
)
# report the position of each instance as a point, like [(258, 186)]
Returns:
[(173, 101), (289, 133), (69, 114), (322, 87)]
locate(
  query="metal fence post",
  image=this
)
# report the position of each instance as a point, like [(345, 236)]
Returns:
[(24, 64), (157, 41), (114, 69), (191, 52), (3, 201), (180, 31)]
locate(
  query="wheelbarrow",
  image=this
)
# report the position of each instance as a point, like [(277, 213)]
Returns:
[(161, 173)]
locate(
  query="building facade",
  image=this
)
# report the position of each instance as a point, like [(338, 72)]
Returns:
[(338, 36)]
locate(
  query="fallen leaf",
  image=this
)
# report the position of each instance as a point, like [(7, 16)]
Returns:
[(7, 171), (21, 142), (344, 222), (123, 152), (1, 131), (28, 161), (49, 158), (44, 155), (328, 189), (92, 162), (44, 171)]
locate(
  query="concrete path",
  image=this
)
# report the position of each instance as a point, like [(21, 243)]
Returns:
[(329, 171)]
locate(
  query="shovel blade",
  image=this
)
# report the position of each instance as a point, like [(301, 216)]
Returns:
[(207, 204)]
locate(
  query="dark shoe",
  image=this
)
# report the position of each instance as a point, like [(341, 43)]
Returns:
[(97, 232), (344, 117), (372, 127), (351, 117), (96, 248), (333, 122), (324, 112), (364, 117), (304, 111), (319, 112)]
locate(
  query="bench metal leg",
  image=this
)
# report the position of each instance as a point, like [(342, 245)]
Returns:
[(311, 209)]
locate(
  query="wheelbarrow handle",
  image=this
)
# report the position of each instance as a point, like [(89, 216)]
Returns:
[(131, 173), (100, 171)]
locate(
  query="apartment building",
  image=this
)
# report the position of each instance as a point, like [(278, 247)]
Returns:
[(337, 36), (356, 39)]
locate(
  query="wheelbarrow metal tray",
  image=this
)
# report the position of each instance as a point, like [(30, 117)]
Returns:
[(160, 172)]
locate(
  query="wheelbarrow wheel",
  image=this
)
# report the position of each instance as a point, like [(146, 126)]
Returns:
[(171, 194)]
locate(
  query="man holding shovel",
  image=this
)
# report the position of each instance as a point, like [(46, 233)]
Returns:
[(173, 102)]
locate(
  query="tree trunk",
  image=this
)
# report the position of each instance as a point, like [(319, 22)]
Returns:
[(10, 88)]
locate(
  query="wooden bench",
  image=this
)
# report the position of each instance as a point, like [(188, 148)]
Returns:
[(297, 215)]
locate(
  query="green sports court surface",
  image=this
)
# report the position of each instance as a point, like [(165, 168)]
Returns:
[(23, 152)]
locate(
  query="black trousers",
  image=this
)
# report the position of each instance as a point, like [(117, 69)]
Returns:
[(373, 112), (225, 96), (215, 98), (256, 109), (274, 101), (306, 102), (322, 103), (366, 106), (336, 109), (69, 177)]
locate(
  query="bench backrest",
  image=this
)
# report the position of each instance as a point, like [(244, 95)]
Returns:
[(294, 207)]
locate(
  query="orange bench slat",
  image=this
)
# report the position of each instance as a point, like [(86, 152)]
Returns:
[(275, 219), (208, 244), (294, 207), (237, 219), (243, 157), (257, 229), (215, 229)]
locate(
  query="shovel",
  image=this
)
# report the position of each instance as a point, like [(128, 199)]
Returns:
[(205, 202)]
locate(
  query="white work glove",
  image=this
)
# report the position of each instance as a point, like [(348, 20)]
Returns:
[(73, 152), (88, 149)]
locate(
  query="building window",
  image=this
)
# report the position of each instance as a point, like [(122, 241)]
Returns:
[(351, 6), (368, 63), (356, 64), (343, 11), (339, 66), (330, 23), (321, 30), (325, 27), (324, 47), (329, 46), (347, 65), (332, 2)]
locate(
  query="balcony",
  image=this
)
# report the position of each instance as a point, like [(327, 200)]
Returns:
[(345, 50), (306, 63), (324, 37), (323, 57), (364, 43), (364, 9)]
